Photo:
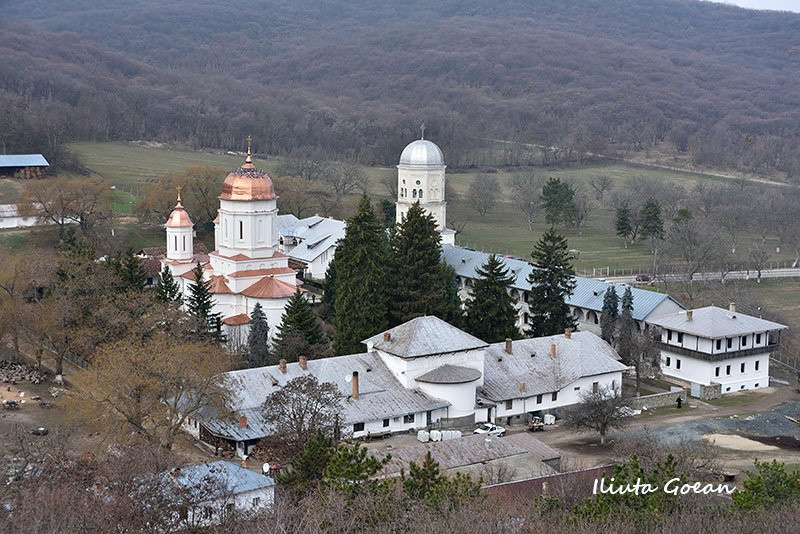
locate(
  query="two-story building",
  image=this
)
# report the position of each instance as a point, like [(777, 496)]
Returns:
[(713, 345)]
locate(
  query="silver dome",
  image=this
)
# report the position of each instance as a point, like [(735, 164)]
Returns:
[(422, 152)]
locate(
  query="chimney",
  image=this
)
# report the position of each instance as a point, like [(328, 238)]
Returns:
[(732, 306), (688, 315), (355, 384), (522, 387), (552, 350), (387, 336), (568, 333), (303, 361), (176, 472), (509, 346), (242, 421), (282, 365)]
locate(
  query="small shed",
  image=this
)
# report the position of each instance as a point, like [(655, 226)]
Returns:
[(23, 166)]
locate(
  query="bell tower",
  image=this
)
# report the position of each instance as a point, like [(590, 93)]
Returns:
[(180, 234)]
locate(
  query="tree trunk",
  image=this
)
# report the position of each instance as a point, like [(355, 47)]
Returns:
[(602, 437)]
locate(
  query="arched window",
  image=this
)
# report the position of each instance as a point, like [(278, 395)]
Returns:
[(414, 193), (241, 230), (420, 193), (176, 243), (184, 243)]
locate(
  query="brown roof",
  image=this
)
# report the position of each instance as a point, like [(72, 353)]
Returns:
[(261, 272), (152, 266), (189, 275), (236, 257), (236, 320), (270, 288), (179, 218), (218, 284)]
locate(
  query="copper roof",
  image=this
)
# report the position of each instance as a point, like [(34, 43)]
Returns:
[(248, 183), (218, 284), (261, 272), (179, 218), (236, 257), (189, 275), (236, 320), (270, 288)]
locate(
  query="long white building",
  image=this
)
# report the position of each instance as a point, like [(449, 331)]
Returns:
[(711, 345), (427, 373)]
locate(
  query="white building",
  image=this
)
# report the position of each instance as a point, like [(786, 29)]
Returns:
[(213, 490), (427, 373), (420, 178), (586, 301), (246, 266), (310, 241), (10, 217), (713, 345)]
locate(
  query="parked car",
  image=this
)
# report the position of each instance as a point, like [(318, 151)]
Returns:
[(40, 431), (490, 429), (643, 278)]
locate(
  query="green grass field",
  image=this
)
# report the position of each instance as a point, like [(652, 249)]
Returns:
[(9, 191)]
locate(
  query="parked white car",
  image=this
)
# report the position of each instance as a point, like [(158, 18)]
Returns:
[(492, 430)]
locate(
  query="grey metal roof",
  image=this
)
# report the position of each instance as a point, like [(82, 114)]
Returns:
[(588, 293), (713, 322), (424, 336), (23, 160), (316, 234), (450, 374), (234, 478), (530, 369), (422, 152), (468, 450), (381, 396), (9, 210)]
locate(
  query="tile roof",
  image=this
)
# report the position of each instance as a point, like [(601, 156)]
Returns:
[(23, 160), (713, 322), (530, 363), (219, 286), (424, 336), (270, 288), (450, 374), (232, 478), (236, 320), (252, 273), (588, 292)]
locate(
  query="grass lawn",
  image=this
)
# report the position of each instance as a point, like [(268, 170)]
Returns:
[(9, 191)]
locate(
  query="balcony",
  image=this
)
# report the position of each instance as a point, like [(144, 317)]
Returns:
[(683, 351)]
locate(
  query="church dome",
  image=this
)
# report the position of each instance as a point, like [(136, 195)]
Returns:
[(179, 218), (247, 183), (421, 152)]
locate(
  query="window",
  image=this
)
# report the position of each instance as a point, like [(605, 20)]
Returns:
[(677, 363), (744, 341), (728, 370), (716, 371), (730, 342), (509, 404), (595, 387), (176, 243), (742, 367), (727, 389), (358, 427), (420, 193), (554, 396), (256, 501), (669, 360), (719, 344), (414, 193), (669, 335), (385, 423), (756, 384), (576, 388), (418, 182), (757, 361), (758, 339), (408, 419), (207, 513), (680, 337), (241, 230), (538, 399), (184, 243)]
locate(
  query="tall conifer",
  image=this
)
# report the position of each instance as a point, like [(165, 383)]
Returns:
[(361, 286), (609, 315), (490, 313), (167, 289), (200, 305), (552, 280), (258, 352), (298, 320)]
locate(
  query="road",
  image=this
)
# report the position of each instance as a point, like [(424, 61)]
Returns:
[(708, 277)]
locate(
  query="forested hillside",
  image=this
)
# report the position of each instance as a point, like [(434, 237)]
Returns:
[(355, 78)]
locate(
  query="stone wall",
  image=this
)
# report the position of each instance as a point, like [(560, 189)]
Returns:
[(657, 400), (710, 392)]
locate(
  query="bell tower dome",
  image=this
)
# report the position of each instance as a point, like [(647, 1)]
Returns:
[(180, 234)]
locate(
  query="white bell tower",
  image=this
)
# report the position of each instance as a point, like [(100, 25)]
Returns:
[(180, 234)]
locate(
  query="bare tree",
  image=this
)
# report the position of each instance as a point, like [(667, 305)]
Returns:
[(343, 179), (62, 201), (601, 185), (759, 258), (389, 182), (525, 191), (483, 193), (599, 412), (695, 247), (583, 208)]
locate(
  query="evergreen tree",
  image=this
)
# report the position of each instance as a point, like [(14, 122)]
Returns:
[(425, 483), (167, 289), (329, 295), (258, 352), (609, 315), (652, 223), (419, 283), (552, 281), (389, 210), (351, 470), (200, 304), (622, 223), (453, 312), (558, 202), (626, 328), (307, 469), (490, 313), (298, 323), (128, 270), (361, 281)]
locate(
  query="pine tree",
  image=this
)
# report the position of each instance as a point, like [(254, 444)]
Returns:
[(558, 202), (625, 328), (622, 223), (652, 223), (306, 471), (258, 352), (361, 281), (490, 313), (329, 295), (422, 478), (298, 324), (609, 315), (419, 285), (552, 280), (453, 311), (167, 289), (133, 274), (200, 304)]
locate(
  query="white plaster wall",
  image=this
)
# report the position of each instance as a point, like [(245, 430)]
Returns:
[(460, 396), (406, 370), (431, 182), (396, 424), (703, 372), (180, 244), (17, 222), (259, 236)]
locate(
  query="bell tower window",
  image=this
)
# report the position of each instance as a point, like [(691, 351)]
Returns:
[(176, 243), (420, 193), (241, 230)]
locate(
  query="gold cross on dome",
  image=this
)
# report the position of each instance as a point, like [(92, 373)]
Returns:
[(179, 191), (422, 131), (249, 143)]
